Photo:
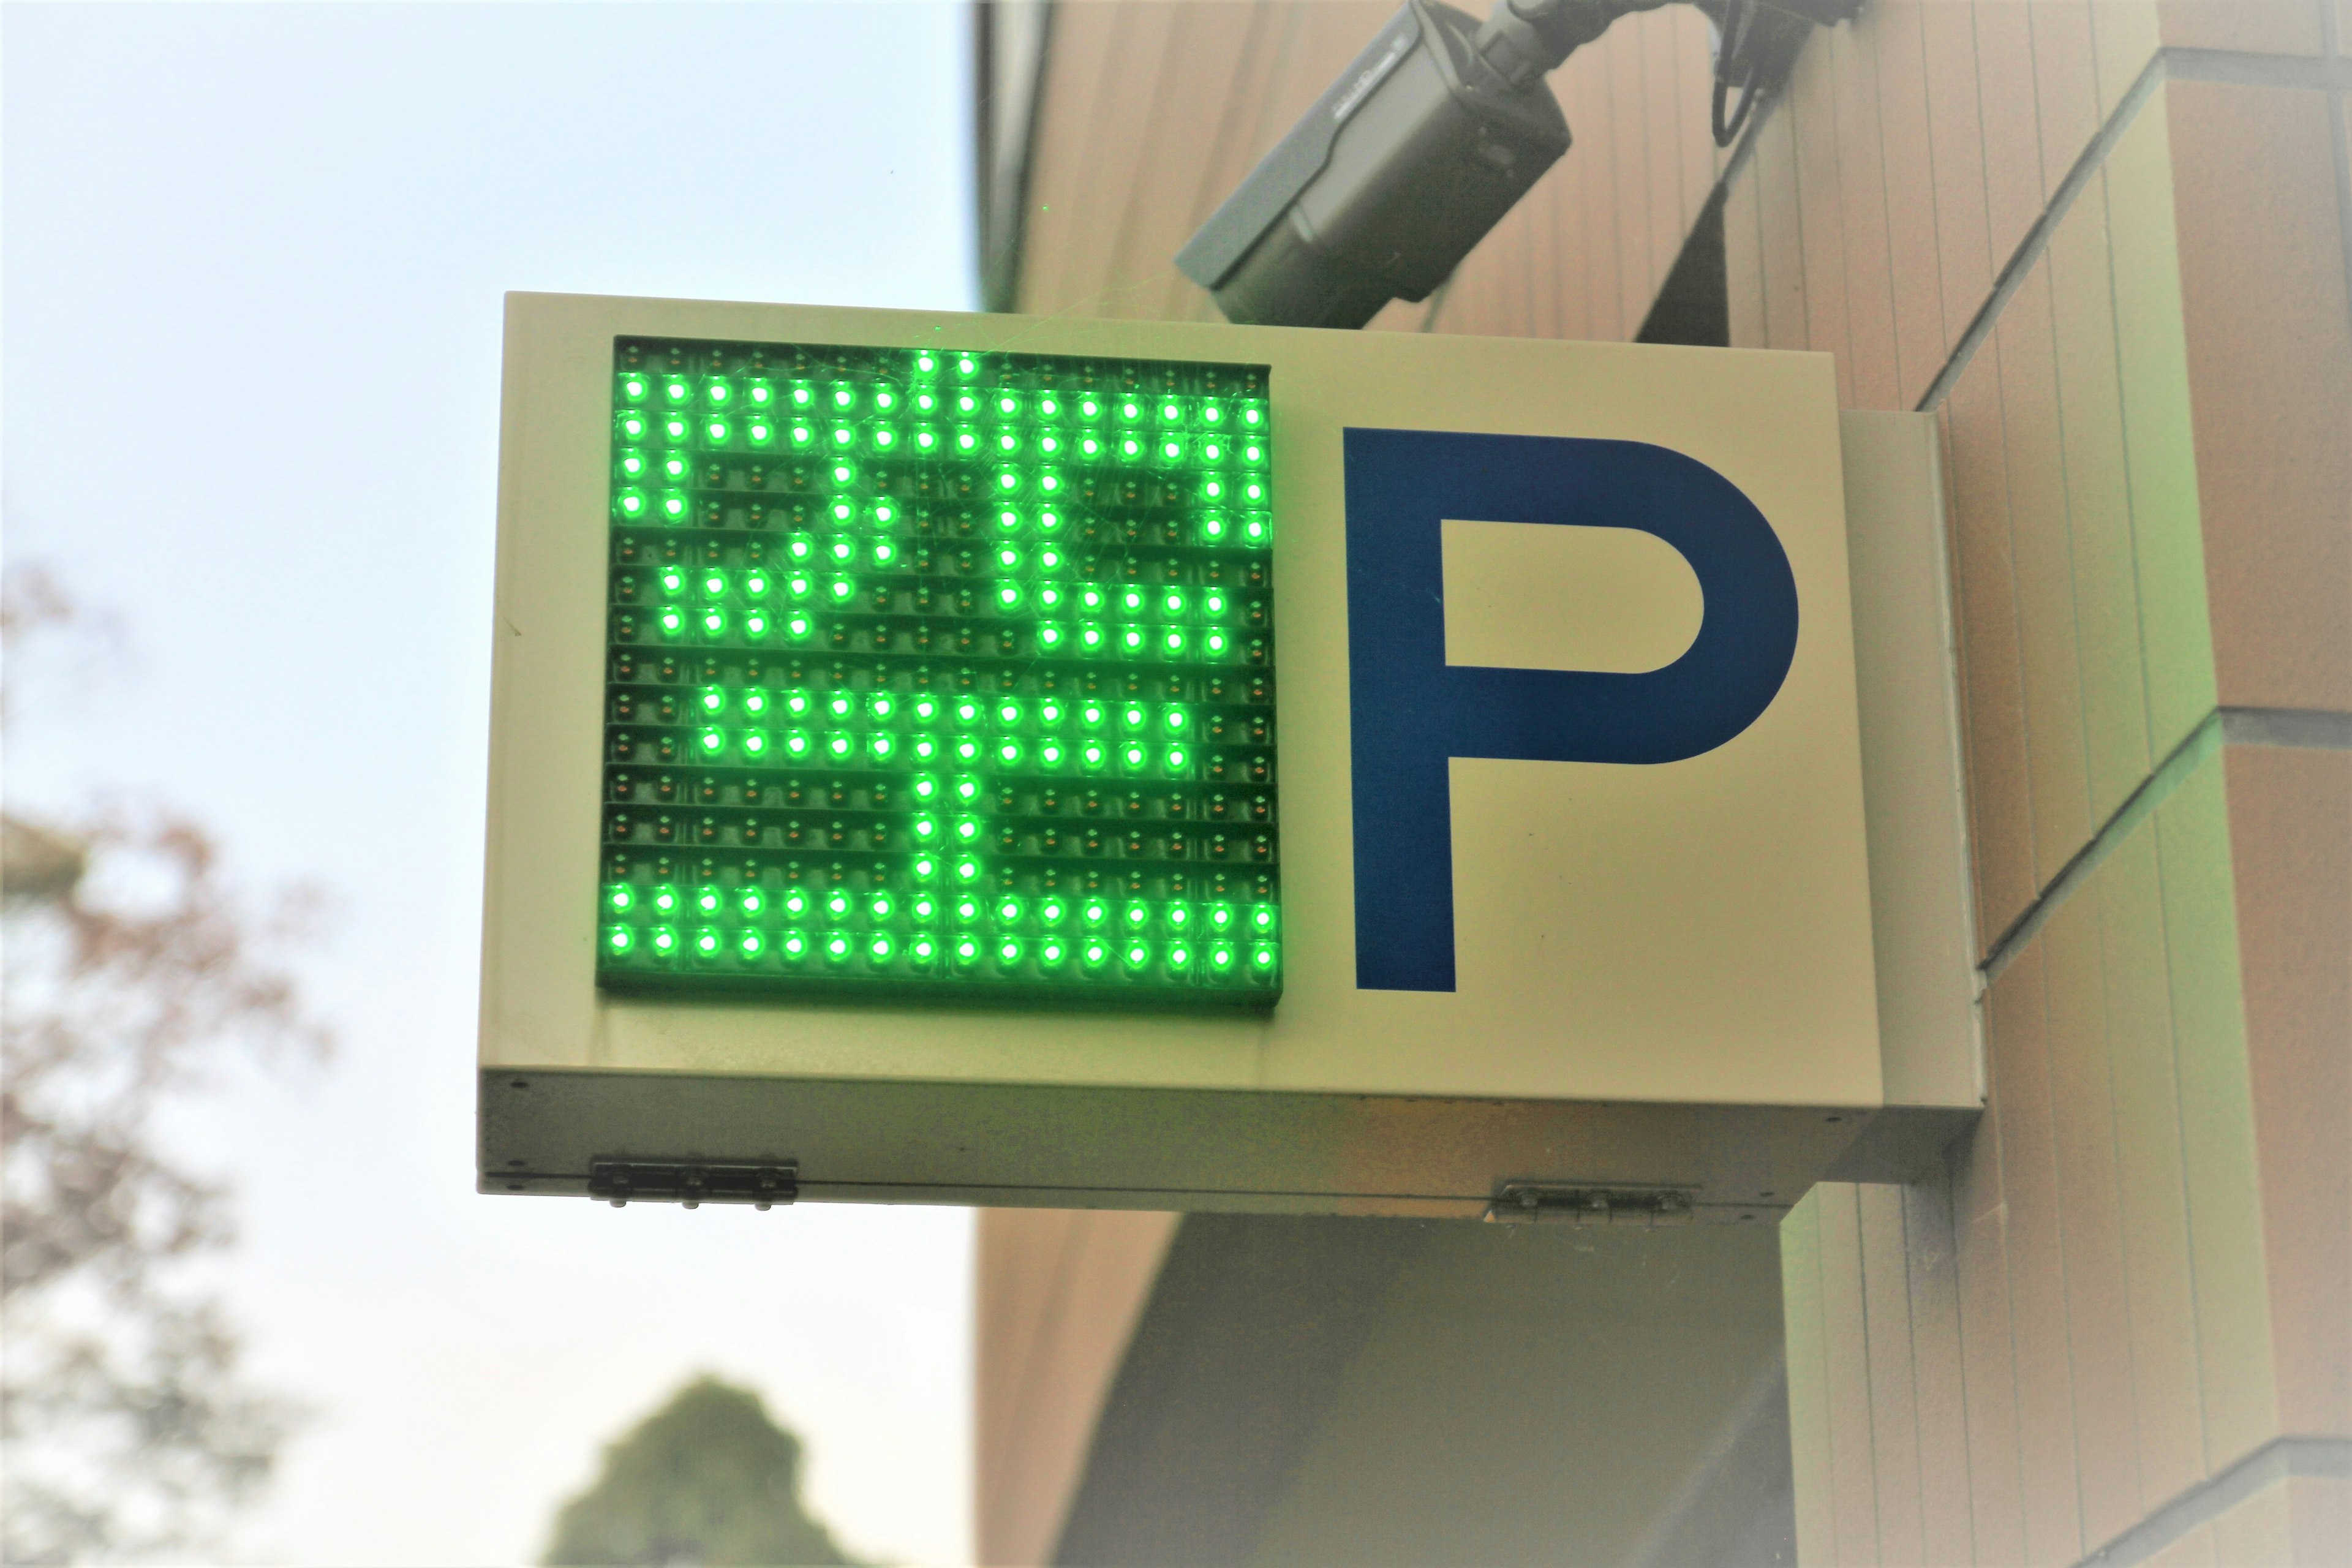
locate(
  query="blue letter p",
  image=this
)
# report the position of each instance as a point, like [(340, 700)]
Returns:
[(1411, 712)]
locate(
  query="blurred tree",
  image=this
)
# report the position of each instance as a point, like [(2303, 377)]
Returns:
[(129, 972), (707, 1478)]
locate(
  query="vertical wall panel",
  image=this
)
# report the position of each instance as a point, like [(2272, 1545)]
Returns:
[(2319, 1511), (1694, 136), (1893, 1395), (1190, 92), (1545, 255), (2010, 121), (1809, 1382), (1121, 133), (1947, 1534), (2019, 1047), (2065, 85), (1898, 30), (1957, 146), (2098, 509), (2044, 578), (2194, 1550), (2270, 372), (2124, 40), (1661, 148), (2159, 442), (2097, 1311), (1988, 1357), (2265, 27), (1575, 245), (1844, 1325), (1811, 109), (2168, 1393), (1585, 81), (1637, 274), (1993, 693), (1080, 71), (2291, 839), (2225, 1219), (1241, 136), (1782, 213), (1743, 261), (2258, 1529), (1873, 378)]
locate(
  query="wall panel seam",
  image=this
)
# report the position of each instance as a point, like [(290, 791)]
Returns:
[(2037, 239), (2272, 1464), (2299, 728), (2332, 76), (2152, 792)]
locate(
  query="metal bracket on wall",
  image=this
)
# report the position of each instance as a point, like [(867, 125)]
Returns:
[(616, 1182), (1533, 1203)]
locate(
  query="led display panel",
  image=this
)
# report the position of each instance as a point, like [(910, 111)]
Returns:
[(886, 800), (940, 674)]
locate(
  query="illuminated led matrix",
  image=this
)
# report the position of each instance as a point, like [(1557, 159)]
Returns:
[(944, 674)]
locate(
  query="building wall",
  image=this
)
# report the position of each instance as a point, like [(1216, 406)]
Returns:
[(1153, 112), (2107, 242)]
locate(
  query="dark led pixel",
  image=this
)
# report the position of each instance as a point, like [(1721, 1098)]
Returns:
[(940, 674)]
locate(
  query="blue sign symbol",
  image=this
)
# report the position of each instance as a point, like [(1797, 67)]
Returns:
[(1410, 710)]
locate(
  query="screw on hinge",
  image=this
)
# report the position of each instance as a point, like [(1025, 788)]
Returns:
[(693, 1182), (1542, 1202)]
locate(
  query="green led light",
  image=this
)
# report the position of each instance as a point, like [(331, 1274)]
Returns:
[(917, 620)]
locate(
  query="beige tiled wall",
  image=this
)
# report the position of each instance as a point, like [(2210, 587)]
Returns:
[(2114, 265), (2106, 242)]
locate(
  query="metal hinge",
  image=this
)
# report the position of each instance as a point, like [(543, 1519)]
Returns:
[(1535, 1203), (679, 1182)]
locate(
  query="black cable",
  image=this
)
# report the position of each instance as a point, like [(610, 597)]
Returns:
[(1733, 53)]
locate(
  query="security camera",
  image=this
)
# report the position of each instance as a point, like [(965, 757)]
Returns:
[(1423, 145)]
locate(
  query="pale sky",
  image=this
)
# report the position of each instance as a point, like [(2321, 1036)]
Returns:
[(252, 264)]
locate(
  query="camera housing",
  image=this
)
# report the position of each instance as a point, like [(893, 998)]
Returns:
[(1426, 140), (1405, 162)]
